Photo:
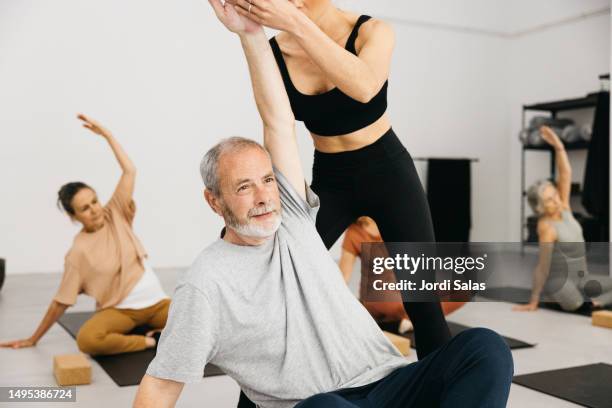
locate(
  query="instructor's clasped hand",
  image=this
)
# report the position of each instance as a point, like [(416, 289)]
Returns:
[(276, 14)]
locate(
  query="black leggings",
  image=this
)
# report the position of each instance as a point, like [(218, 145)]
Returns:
[(379, 181)]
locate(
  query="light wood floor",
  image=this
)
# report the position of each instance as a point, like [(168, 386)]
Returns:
[(564, 340)]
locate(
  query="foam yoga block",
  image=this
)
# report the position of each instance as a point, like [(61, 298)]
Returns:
[(72, 369), (602, 318), (401, 343)]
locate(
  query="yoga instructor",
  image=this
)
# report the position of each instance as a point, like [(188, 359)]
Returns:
[(335, 66), (107, 262)]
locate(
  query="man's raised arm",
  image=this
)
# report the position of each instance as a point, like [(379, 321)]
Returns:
[(270, 94)]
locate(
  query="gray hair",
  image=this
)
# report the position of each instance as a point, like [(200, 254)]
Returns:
[(534, 195), (209, 166)]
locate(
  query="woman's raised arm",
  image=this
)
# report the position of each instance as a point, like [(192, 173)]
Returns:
[(125, 186)]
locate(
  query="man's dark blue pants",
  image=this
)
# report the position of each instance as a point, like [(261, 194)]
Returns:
[(474, 369)]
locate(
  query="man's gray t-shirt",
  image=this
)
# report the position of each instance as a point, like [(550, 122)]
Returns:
[(278, 318)]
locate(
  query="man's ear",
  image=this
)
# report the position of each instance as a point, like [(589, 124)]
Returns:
[(212, 201)]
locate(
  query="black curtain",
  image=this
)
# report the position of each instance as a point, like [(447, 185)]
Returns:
[(2, 272), (449, 195), (596, 192)]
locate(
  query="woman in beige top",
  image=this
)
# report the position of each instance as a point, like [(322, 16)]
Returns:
[(107, 262)]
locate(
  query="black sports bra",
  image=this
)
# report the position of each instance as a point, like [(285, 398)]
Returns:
[(332, 113)]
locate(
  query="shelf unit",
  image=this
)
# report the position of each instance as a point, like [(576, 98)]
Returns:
[(589, 101)]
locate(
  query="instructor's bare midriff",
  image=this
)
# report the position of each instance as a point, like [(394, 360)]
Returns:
[(355, 140)]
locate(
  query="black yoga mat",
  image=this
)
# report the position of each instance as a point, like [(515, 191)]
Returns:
[(587, 385), (455, 328), (522, 295), (125, 369)]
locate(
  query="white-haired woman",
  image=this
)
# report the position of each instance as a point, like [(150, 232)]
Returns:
[(561, 271)]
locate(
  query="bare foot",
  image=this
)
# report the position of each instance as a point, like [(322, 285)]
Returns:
[(151, 339), (150, 333), (405, 326), (150, 342)]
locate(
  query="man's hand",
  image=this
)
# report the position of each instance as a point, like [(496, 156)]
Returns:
[(227, 14)]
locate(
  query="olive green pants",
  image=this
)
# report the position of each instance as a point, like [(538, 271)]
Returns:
[(105, 332)]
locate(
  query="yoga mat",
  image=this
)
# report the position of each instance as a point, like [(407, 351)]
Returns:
[(455, 328), (587, 385), (127, 368), (522, 295)]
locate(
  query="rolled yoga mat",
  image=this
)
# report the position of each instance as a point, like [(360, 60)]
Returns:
[(127, 368), (455, 328), (522, 295), (587, 385)]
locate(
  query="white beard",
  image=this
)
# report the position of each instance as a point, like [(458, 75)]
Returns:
[(249, 229), (257, 231)]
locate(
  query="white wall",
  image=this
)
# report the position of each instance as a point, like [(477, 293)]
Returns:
[(497, 18), (169, 81), (524, 15), (482, 15), (164, 76), (447, 100)]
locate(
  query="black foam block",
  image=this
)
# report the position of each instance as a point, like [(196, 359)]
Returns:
[(127, 368), (587, 385)]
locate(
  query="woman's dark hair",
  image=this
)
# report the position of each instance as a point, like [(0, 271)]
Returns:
[(67, 193)]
